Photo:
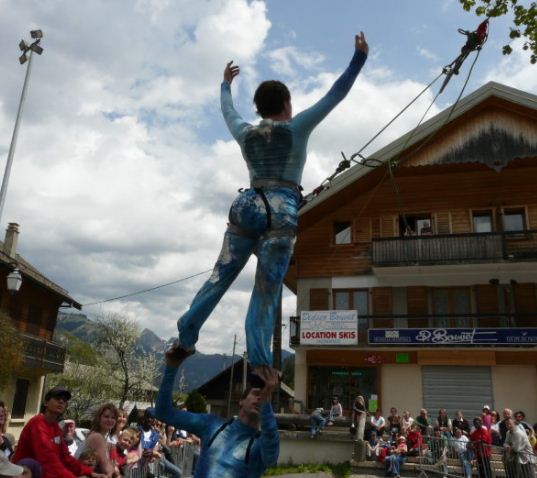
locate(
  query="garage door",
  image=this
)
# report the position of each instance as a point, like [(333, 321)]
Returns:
[(456, 388)]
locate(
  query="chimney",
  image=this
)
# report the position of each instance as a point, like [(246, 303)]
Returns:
[(10, 242)]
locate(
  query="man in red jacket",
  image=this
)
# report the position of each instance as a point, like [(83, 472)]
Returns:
[(42, 440), (481, 443)]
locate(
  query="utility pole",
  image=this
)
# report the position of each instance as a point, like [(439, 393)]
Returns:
[(25, 48), (231, 377), (244, 369)]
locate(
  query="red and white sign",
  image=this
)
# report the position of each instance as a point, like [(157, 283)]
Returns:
[(329, 327)]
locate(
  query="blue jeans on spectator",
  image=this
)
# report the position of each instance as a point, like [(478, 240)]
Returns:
[(393, 464), (465, 458), (171, 470), (317, 423)]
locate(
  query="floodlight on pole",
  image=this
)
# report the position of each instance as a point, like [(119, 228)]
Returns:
[(27, 53)]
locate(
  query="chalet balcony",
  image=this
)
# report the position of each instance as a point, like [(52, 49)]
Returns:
[(446, 330), (455, 249), (43, 354)]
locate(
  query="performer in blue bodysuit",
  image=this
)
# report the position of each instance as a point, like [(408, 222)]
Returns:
[(263, 218), (232, 449)]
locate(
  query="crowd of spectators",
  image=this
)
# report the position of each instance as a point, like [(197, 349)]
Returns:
[(392, 439), (50, 446)]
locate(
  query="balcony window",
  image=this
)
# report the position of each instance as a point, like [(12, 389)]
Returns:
[(514, 220), (482, 221), (416, 225), (351, 300), (343, 232)]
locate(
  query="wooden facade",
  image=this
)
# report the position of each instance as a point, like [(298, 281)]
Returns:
[(447, 239)]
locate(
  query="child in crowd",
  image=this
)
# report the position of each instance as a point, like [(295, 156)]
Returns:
[(89, 458), (124, 456)]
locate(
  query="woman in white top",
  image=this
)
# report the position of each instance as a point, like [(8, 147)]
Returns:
[(406, 422), (378, 422), (335, 411)]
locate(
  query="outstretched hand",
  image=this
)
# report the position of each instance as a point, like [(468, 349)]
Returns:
[(271, 378), (360, 43), (231, 71)]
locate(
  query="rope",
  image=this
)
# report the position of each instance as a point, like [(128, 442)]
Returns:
[(147, 290)]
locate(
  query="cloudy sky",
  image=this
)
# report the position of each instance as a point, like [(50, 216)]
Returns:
[(124, 169)]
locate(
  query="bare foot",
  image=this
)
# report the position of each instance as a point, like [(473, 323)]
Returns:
[(176, 355)]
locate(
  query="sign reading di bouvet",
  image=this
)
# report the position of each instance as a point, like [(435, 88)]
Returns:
[(441, 336), (329, 327)]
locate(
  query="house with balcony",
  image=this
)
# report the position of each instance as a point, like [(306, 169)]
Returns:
[(33, 308), (416, 272)]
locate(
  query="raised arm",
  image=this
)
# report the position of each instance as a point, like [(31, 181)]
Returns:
[(270, 438), (311, 117), (164, 411), (234, 121)]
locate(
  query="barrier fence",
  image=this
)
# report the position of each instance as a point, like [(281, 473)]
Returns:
[(184, 457), (456, 458)]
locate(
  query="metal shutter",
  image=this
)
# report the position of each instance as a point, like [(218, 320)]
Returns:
[(456, 388)]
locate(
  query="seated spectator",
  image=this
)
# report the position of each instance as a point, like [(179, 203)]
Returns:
[(495, 429), (423, 422), (460, 444), (336, 411), (461, 423), (103, 424), (438, 447), (444, 423), (89, 458), (317, 422), (414, 440), (378, 423), (396, 458), (42, 440), (406, 422), (394, 422), (8, 469), (372, 446), (69, 435), (31, 468), (6, 447), (486, 417)]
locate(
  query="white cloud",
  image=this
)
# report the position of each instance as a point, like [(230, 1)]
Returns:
[(425, 53), (288, 60)]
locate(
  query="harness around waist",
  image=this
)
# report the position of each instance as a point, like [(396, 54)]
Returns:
[(274, 183)]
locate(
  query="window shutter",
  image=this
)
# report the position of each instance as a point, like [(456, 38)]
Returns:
[(319, 299), (442, 222), (487, 303), (362, 230), (387, 226), (382, 305), (417, 304), (525, 303)]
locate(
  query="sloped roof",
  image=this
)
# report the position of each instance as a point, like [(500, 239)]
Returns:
[(26, 269), (490, 89)]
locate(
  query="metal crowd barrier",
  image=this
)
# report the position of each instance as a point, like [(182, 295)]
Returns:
[(183, 456), (449, 457)]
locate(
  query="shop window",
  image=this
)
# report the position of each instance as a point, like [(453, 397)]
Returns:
[(21, 397), (343, 232), (345, 382), (514, 219), (415, 225), (482, 221)]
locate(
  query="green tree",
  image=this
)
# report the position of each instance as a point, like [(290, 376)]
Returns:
[(524, 21), (195, 402), (12, 346), (288, 371)]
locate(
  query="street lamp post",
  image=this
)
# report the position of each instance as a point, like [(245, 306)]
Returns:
[(34, 47)]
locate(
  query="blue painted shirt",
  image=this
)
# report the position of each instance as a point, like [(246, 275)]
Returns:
[(277, 149), (226, 456)]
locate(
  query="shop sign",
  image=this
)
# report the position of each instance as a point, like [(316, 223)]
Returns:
[(442, 336), (329, 327)]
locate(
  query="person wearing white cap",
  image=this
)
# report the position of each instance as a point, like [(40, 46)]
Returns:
[(9, 469)]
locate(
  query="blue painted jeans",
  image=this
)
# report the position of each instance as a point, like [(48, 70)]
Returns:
[(273, 249)]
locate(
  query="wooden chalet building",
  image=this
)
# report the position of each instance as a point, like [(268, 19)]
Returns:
[(33, 310), (439, 262)]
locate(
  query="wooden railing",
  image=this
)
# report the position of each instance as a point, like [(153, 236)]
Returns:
[(454, 248), (41, 353)]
